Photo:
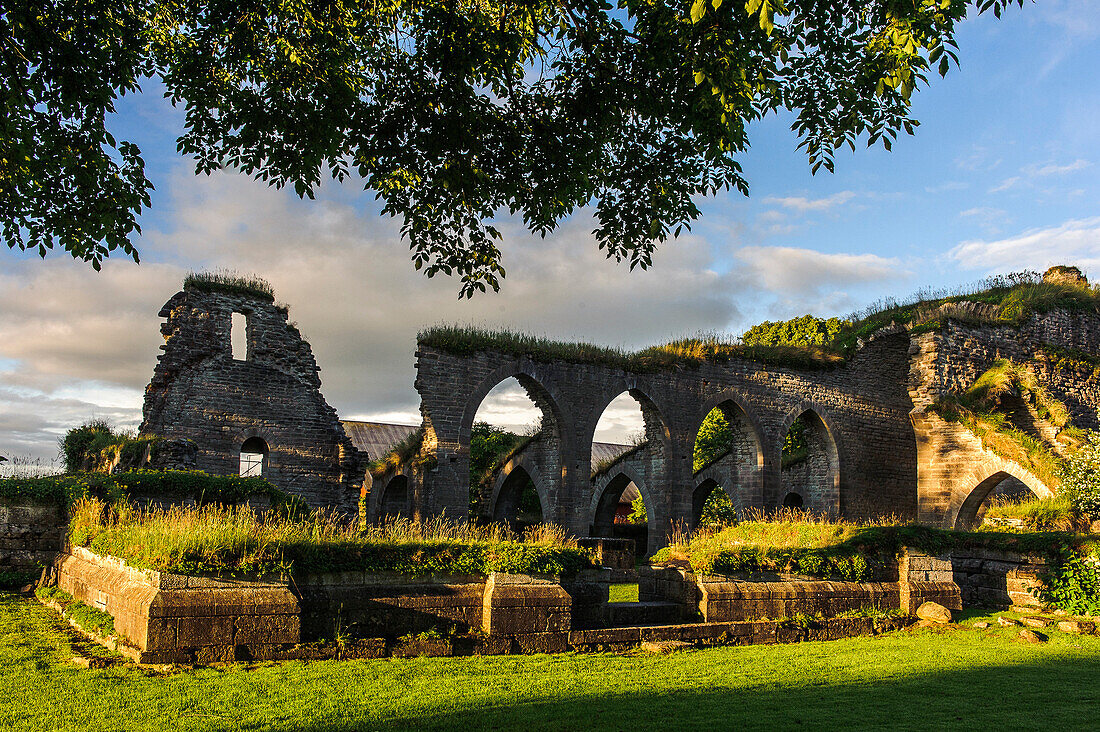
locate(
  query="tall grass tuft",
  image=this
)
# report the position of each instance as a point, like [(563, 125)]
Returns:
[(238, 540), (225, 280)]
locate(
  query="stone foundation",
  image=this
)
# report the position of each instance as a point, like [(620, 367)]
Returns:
[(993, 579), (723, 599), (30, 534)]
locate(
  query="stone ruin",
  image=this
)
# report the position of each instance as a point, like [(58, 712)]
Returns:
[(875, 447)]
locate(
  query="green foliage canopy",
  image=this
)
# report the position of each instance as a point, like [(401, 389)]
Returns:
[(804, 331), (450, 111)]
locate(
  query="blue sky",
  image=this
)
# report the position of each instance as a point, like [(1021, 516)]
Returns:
[(1003, 174)]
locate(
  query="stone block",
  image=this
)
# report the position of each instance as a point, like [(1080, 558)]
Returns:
[(214, 654), (266, 629), (414, 646), (205, 631), (542, 642)]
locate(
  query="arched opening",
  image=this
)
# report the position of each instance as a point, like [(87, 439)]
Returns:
[(793, 500), (999, 486), (253, 458), (630, 442), (517, 503), (728, 451), (711, 506), (395, 498), (517, 417), (810, 467), (622, 513)]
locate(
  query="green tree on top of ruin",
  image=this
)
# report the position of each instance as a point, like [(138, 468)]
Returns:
[(804, 331), (451, 112)]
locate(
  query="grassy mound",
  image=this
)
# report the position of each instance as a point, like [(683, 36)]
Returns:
[(237, 541)]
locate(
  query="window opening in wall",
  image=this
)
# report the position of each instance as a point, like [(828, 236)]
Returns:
[(792, 500), (726, 446), (508, 421), (253, 457), (238, 336)]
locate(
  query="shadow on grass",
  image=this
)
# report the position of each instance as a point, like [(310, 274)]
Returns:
[(1060, 695)]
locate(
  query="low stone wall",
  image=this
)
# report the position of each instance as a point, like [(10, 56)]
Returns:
[(389, 605), (165, 617), (30, 534), (168, 618), (722, 599), (923, 578), (994, 579)]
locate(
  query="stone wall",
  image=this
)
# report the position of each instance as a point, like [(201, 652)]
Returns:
[(863, 406), (371, 604), (167, 618), (721, 598), (31, 534), (201, 393), (170, 618), (993, 579)]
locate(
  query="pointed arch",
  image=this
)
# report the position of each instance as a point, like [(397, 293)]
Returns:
[(502, 500), (816, 480), (733, 405), (963, 510), (542, 391)]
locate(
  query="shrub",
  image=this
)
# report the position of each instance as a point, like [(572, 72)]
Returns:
[(175, 485), (95, 446), (1080, 477)]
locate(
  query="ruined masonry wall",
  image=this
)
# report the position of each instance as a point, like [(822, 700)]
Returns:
[(865, 404), (199, 392), (30, 534)]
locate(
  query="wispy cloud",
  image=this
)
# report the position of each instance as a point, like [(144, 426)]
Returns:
[(805, 205), (1005, 184), (1054, 169)]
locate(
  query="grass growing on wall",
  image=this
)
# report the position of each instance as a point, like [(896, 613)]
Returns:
[(230, 282), (237, 541), (800, 543), (467, 340), (1015, 297), (942, 679), (1053, 513)]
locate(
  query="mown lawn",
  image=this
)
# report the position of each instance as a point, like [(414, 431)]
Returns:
[(920, 680)]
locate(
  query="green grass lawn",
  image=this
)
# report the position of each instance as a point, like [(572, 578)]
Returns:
[(623, 593), (920, 680)]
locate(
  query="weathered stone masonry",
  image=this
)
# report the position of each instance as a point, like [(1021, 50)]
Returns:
[(876, 447), (863, 406), (200, 392)]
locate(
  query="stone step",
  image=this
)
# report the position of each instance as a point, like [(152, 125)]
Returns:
[(633, 614)]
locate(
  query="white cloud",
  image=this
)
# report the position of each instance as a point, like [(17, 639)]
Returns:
[(1075, 242), (951, 185), (1005, 184), (1053, 169), (805, 280), (803, 205), (65, 330)]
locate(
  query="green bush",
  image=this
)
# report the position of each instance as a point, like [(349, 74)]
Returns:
[(175, 485), (90, 619), (1080, 477)]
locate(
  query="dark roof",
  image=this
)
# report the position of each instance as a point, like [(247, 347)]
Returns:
[(376, 439), (607, 451)]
